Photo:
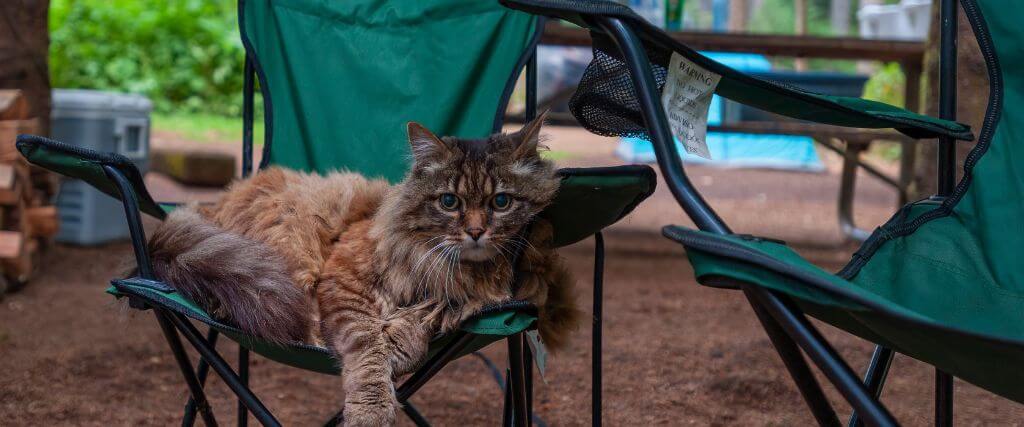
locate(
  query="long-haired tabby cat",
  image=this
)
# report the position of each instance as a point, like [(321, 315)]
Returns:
[(374, 271)]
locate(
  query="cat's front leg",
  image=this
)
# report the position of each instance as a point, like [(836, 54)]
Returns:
[(545, 281), (359, 341), (408, 331)]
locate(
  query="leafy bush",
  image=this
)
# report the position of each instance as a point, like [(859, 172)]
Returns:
[(185, 55), (887, 85)]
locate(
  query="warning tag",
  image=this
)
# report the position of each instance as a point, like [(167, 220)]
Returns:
[(540, 352), (686, 98)]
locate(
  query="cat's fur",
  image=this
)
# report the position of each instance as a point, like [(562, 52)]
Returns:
[(374, 271)]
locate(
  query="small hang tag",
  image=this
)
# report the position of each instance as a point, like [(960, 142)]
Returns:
[(540, 353), (686, 99)]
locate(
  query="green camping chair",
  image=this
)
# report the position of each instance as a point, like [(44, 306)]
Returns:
[(941, 281), (339, 80)]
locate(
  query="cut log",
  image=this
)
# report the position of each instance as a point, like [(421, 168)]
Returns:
[(9, 131), (12, 244), (42, 221), (13, 106), (19, 268), (203, 168), (10, 188)]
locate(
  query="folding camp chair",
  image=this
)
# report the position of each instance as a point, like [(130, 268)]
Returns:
[(941, 281), (338, 81)]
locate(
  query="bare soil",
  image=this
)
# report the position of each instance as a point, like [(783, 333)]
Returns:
[(675, 353)]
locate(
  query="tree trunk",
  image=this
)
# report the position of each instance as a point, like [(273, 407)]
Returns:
[(738, 11), (24, 47), (800, 29), (972, 99), (839, 16)]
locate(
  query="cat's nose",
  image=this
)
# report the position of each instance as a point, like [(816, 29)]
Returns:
[(475, 232)]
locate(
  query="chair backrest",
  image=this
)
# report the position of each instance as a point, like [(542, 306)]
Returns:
[(989, 200), (340, 79), (977, 234)]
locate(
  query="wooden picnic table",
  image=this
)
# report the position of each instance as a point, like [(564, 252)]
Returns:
[(849, 143)]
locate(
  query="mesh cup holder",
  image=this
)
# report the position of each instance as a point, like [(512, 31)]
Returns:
[(604, 102)]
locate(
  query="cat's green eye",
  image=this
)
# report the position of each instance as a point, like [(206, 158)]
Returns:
[(449, 201), (501, 201)]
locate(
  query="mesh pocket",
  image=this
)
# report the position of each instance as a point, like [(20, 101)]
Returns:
[(605, 103)]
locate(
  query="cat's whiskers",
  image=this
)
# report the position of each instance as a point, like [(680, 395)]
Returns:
[(427, 253), (440, 266), (522, 243), (502, 250), (428, 276), (446, 259)]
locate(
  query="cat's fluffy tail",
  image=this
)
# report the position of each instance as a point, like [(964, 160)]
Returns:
[(233, 277)]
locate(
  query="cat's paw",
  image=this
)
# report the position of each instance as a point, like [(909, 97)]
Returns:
[(370, 414), (409, 342)]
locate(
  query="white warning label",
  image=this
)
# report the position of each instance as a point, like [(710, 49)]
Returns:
[(686, 98)]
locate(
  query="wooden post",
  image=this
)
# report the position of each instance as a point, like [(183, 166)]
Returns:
[(24, 49), (738, 11), (800, 28)]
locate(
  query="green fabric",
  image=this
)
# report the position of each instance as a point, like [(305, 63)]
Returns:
[(591, 199), (920, 304), (344, 77), (735, 85), (941, 282), (490, 328)]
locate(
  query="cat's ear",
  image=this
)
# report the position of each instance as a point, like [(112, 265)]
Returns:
[(529, 137), (425, 145)]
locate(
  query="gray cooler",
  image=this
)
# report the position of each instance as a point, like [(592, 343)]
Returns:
[(106, 122)]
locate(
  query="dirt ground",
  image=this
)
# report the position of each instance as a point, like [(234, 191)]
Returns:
[(675, 353)]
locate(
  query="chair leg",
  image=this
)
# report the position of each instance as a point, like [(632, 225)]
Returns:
[(431, 368), (414, 414), (201, 371), (596, 350), (195, 388), (528, 378), (243, 375), (795, 363), (517, 381), (874, 378), (824, 356), (222, 369), (943, 399), (506, 414)]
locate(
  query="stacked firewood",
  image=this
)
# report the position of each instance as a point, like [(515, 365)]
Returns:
[(28, 218)]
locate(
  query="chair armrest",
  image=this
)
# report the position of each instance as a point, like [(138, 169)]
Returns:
[(590, 199), (88, 165)]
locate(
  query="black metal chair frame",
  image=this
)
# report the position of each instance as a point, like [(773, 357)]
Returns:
[(518, 401), (788, 328)]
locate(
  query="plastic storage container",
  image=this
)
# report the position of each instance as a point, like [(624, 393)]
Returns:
[(106, 122)]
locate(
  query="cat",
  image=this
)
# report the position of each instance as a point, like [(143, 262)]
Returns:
[(374, 271)]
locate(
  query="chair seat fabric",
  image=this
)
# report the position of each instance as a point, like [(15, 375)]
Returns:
[(912, 300), (491, 325)]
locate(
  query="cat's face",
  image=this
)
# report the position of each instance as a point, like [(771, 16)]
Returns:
[(468, 200)]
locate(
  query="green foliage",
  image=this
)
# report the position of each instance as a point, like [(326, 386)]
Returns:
[(777, 17), (206, 127), (886, 85), (185, 55)]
